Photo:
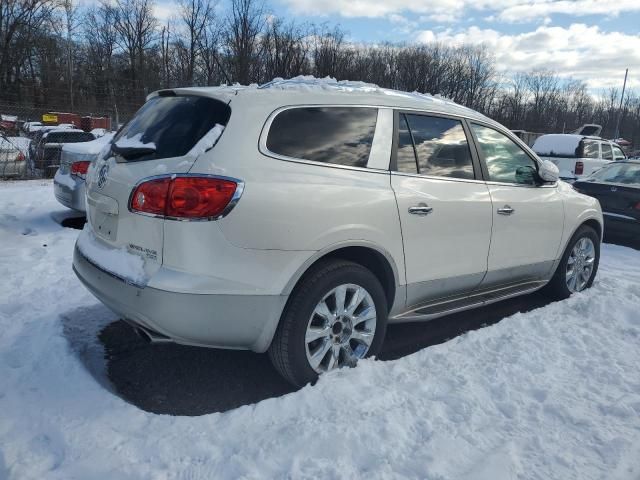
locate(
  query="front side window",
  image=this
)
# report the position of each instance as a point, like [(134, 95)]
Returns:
[(590, 149), (506, 161), (433, 146), (607, 154), (336, 135), (618, 153)]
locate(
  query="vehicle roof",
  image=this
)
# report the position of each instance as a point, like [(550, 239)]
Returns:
[(307, 90), (63, 130)]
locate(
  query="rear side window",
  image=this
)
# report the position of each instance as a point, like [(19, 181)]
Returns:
[(173, 124), (607, 154), (69, 137), (433, 146), (336, 135), (590, 149)]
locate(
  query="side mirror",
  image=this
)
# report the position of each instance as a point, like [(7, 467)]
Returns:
[(548, 172), (526, 175)]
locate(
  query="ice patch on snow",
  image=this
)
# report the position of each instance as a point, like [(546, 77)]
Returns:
[(208, 141), (557, 144), (134, 142), (118, 261)]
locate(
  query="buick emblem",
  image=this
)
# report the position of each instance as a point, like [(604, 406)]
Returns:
[(102, 175), (614, 189)]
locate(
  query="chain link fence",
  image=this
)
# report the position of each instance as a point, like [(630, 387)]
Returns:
[(32, 140)]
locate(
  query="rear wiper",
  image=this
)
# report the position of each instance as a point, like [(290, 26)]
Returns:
[(130, 153)]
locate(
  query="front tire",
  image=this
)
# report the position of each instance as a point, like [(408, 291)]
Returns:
[(336, 315), (578, 266)]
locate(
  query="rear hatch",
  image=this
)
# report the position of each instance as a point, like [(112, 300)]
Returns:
[(164, 137)]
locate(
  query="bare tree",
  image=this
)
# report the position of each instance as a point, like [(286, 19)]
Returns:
[(196, 15), (242, 39)]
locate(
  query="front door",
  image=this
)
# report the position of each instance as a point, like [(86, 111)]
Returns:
[(445, 210), (527, 217)]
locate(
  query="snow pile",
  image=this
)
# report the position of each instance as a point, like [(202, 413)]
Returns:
[(557, 145), (93, 147), (134, 142), (208, 141), (119, 262), (553, 393)]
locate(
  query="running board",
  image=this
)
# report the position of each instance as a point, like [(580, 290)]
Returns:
[(441, 308)]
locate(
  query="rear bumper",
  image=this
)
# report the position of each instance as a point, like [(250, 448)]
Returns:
[(13, 169), (224, 321), (69, 191)]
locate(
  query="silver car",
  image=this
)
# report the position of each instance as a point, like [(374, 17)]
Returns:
[(69, 181), (301, 217), (13, 160)]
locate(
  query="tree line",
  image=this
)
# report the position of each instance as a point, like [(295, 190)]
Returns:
[(106, 58)]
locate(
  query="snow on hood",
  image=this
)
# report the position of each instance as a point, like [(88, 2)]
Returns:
[(557, 144), (93, 147), (134, 142), (119, 262), (208, 141)]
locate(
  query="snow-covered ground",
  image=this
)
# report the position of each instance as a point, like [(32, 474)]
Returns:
[(554, 393)]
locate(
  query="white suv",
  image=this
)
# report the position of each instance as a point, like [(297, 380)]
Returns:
[(301, 217)]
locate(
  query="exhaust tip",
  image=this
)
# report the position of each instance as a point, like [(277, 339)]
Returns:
[(151, 336)]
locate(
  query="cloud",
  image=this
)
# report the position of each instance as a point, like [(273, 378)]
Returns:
[(444, 11), (580, 51), (527, 11)]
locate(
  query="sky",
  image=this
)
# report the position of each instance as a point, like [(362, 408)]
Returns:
[(589, 40)]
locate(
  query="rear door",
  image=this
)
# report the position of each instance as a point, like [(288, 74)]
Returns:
[(444, 206), (527, 218), (165, 137)]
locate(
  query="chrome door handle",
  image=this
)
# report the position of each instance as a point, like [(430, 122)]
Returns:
[(506, 210), (421, 209)]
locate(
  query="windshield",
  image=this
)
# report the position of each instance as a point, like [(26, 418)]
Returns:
[(169, 126), (626, 173)]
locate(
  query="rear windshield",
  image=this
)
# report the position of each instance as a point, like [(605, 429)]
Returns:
[(69, 137), (338, 135), (172, 125)]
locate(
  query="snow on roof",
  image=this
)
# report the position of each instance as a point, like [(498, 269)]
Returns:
[(8, 118), (557, 144), (93, 147), (308, 84), (62, 130)]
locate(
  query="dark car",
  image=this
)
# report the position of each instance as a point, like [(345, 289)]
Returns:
[(49, 147), (617, 187)]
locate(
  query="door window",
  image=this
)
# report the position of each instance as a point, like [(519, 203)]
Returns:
[(433, 146), (337, 135), (607, 154), (590, 149), (506, 161)]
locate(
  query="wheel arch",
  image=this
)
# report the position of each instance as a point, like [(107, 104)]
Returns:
[(370, 256)]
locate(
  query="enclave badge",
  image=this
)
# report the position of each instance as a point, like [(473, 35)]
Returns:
[(102, 175)]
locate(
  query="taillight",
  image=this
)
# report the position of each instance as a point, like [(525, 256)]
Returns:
[(20, 157), (579, 170), (185, 196), (79, 169), (637, 206)]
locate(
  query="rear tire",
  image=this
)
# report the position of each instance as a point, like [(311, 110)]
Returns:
[(336, 315), (571, 273)]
